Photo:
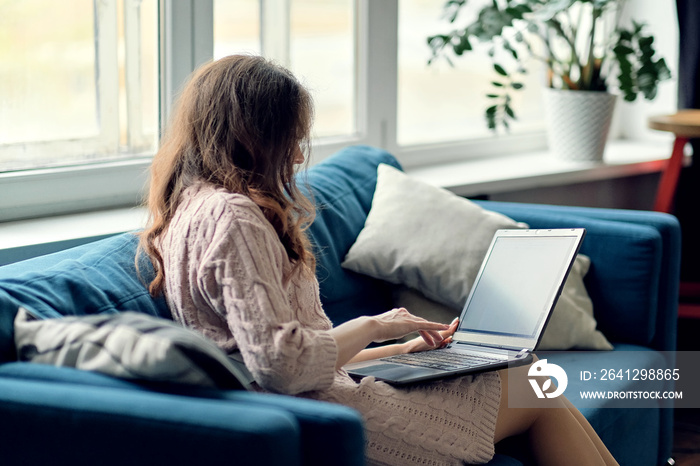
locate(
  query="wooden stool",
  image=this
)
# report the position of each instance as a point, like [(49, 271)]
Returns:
[(685, 125)]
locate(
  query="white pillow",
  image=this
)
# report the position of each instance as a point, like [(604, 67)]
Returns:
[(424, 237), (128, 345), (434, 241)]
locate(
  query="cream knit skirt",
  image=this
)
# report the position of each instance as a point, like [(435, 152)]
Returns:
[(447, 422)]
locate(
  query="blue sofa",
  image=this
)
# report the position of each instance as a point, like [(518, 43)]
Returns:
[(64, 416)]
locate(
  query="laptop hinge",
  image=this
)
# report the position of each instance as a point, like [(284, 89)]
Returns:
[(521, 353)]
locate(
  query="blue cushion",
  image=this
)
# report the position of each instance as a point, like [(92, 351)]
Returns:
[(72, 424), (95, 278), (328, 430), (321, 424), (54, 374), (8, 310), (342, 187)]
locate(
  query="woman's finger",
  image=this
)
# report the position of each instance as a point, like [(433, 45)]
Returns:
[(436, 336), (429, 338), (446, 342), (433, 326)]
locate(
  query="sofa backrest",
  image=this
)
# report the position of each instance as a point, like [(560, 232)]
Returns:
[(101, 277), (95, 278), (342, 188)]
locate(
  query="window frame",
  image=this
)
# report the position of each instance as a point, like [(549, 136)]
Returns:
[(186, 41)]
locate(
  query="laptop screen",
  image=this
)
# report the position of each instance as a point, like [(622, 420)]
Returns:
[(518, 283)]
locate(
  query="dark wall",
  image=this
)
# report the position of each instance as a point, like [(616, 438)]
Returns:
[(688, 194)]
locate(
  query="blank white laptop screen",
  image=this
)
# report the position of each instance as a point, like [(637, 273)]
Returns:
[(515, 291)]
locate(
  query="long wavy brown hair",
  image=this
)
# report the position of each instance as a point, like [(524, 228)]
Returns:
[(238, 124)]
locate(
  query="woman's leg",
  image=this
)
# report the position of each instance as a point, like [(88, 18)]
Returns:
[(559, 434), (602, 449)]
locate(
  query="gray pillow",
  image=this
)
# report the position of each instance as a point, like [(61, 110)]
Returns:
[(128, 345)]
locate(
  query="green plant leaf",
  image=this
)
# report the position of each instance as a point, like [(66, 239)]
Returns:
[(516, 13), (621, 49), (662, 70), (625, 35), (507, 46), (500, 70), (629, 56), (462, 45), (491, 121)]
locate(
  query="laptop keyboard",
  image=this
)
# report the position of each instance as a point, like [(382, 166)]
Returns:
[(444, 360)]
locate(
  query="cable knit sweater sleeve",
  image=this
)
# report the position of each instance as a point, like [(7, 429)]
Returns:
[(241, 276)]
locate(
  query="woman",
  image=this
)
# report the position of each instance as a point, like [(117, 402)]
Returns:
[(227, 241)]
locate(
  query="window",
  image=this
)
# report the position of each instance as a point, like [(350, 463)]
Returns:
[(236, 27), (439, 103), (300, 34), (79, 81), (86, 85)]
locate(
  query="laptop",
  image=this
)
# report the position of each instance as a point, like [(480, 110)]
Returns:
[(506, 312)]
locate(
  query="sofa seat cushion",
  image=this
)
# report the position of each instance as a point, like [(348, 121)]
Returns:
[(612, 418)]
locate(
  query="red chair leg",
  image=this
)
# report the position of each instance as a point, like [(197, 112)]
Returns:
[(669, 178), (689, 311)]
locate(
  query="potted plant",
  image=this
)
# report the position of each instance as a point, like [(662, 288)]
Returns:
[(582, 43)]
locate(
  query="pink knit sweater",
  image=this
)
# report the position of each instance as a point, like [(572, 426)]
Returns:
[(228, 276)]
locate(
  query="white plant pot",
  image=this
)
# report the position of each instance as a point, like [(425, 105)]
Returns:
[(578, 123)]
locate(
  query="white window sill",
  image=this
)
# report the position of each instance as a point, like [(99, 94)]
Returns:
[(540, 169), (468, 178)]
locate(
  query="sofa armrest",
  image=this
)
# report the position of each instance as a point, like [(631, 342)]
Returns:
[(60, 423), (323, 429), (635, 269)]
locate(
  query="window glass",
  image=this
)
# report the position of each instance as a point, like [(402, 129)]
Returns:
[(236, 27), (47, 71), (439, 102), (79, 81), (317, 44), (322, 53)]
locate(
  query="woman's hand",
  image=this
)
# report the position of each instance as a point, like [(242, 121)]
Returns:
[(419, 343), (353, 336), (399, 322)]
